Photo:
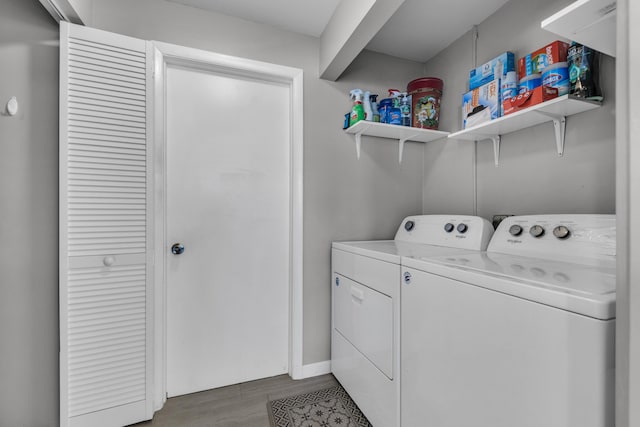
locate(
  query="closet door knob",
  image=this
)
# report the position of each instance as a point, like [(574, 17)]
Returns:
[(177, 248)]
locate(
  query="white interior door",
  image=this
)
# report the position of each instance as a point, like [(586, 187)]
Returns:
[(228, 203)]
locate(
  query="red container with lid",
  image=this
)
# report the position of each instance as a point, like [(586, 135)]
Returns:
[(426, 93)]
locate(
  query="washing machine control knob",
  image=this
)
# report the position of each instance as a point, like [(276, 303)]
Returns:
[(561, 232), (462, 228), (515, 230), (409, 225), (536, 231), (448, 227)]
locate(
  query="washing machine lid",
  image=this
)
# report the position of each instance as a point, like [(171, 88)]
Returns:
[(393, 250), (589, 290)]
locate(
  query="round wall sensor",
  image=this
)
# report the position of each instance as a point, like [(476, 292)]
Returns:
[(12, 106)]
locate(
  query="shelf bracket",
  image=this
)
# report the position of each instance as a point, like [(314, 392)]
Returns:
[(559, 126), (358, 144), (496, 149), (401, 142)]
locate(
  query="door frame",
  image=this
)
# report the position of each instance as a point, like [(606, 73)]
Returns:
[(165, 55)]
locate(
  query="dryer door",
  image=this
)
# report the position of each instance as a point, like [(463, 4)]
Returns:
[(365, 318)]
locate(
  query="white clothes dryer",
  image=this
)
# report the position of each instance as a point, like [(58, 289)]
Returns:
[(366, 280), (522, 335)]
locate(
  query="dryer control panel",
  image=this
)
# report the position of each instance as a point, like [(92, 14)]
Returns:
[(454, 231)]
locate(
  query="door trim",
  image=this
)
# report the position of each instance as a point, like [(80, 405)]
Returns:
[(168, 54)]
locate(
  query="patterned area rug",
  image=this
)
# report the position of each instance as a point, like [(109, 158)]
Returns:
[(331, 407)]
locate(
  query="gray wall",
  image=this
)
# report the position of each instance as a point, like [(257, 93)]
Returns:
[(28, 216), (343, 198), (531, 177)]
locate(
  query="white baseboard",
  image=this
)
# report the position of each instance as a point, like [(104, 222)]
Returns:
[(315, 369)]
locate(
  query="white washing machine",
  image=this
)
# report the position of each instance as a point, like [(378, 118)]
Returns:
[(519, 336), (366, 280)]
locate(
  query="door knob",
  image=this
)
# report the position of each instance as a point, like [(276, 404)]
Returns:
[(177, 248)]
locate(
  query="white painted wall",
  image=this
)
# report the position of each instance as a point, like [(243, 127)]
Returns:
[(28, 216), (531, 177)]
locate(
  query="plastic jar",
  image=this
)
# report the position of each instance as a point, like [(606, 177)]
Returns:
[(557, 75), (426, 93), (509, 86), (530, 82)]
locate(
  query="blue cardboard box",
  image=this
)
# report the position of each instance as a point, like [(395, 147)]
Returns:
[(497, 68)]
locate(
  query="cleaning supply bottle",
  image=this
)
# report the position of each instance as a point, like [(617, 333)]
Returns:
[(394, 116), (374, 108), (385, 106), (357, 111), (405, 109), (366, 103)]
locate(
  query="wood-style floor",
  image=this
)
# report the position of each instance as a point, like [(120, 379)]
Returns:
[(239, 405)]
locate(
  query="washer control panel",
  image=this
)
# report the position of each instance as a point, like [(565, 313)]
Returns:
[(553, 236), (457, 231)]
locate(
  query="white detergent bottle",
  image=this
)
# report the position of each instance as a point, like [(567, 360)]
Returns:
[(374, 108), (366, 102), (405, 109)]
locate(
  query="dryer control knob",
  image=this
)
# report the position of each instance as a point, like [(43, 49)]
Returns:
[(409, 225), (462, 228), (515, 230), (561, 232), (448, 227), (536, 231)]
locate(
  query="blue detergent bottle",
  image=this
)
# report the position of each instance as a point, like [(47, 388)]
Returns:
[(394, 116), (385, 105)]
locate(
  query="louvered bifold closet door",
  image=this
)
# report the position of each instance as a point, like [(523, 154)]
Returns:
[(104, 229)]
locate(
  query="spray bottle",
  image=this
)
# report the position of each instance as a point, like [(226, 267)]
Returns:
[(374, 108), (368, 112), (357, 111), (405, 109), (394, 115)]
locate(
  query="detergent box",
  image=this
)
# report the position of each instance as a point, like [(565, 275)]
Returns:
[(497, 68), (536, 61), (481, 104)]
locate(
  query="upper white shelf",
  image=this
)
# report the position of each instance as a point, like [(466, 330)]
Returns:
[(554, 111), (401, 133), (589, 22)]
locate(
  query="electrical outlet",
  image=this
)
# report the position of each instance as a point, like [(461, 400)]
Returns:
[(497, 219)]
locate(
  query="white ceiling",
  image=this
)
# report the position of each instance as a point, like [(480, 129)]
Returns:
[(300, 16), (418, 30), (422, 28)]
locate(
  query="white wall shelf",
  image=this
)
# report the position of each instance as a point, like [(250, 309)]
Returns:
[(589, 22), (555, 110), (401, 133)]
